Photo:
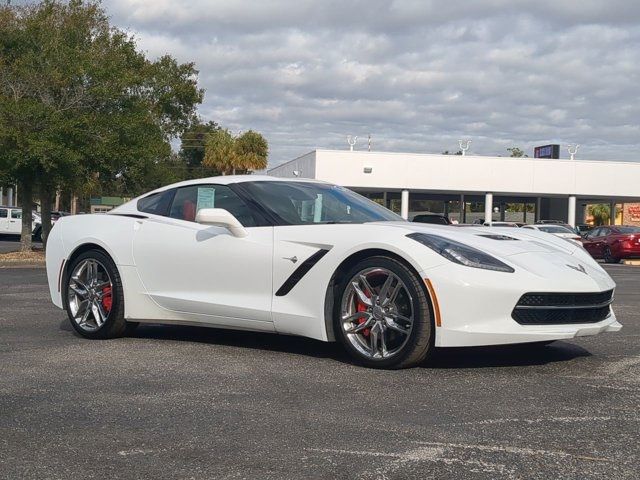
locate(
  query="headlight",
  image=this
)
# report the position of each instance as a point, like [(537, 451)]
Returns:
[(460, 253)]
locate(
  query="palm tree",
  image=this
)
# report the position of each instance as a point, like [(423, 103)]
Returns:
[(229, 154), (600, 213)]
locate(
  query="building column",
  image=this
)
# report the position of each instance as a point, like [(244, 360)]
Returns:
[(463, 210), (404, 204), (612, 213), (488, 208), (536, 217), (571, 211), (10, 197)]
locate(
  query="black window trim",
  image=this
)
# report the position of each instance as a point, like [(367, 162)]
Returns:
[(270, 219)]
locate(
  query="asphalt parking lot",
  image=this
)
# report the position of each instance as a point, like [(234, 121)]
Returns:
[(11, 243), (177, 402)]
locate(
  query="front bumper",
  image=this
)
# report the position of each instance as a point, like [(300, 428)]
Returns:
[(476, 305)]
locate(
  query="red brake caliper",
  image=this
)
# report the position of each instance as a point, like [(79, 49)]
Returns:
[(106, 299), (361, 307)]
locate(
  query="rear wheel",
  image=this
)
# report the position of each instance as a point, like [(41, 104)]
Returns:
[(93, 297), (382, 314), (608, 256)]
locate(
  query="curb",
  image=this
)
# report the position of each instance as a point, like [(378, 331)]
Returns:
[(631, 262)]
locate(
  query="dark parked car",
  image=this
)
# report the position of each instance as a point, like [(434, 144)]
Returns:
[(57, 214), (541, 222), (583, 229), (432, 218), (613, 243)]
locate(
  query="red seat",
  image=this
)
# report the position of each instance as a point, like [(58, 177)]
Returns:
[(189, 211)]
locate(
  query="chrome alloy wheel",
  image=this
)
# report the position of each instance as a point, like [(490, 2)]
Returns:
[(377, 313), (90, 294)]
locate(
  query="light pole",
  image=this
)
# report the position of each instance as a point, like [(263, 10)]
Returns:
[(465, 147), (573, 149), (351, 141)]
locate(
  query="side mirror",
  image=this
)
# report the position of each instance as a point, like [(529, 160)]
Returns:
[(220, 217)]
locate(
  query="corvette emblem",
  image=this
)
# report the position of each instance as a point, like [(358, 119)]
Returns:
[(578, 268)]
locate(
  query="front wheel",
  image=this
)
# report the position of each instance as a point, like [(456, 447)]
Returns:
[(93, 297), (382, 314)]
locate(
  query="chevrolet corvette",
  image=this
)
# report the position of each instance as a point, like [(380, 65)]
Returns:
[(303, 257)]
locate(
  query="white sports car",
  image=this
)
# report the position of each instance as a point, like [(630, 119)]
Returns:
[(302, 257)]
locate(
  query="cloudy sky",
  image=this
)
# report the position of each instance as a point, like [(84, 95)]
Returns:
[(415, 74)]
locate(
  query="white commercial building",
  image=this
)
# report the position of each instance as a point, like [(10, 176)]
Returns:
[(549, 189)]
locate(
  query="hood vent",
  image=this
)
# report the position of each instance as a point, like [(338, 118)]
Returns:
[(497, 237)]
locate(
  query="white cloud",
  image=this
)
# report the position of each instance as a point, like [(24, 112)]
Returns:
[(417, 75)]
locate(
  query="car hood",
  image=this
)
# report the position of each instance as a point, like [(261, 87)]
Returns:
[(499, 241), (555, 262)]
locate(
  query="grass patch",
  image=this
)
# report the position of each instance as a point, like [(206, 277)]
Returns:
[(36, 256)]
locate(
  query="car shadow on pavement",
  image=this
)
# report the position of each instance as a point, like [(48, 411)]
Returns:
[(236, 338), (442, 358), (505, 355)]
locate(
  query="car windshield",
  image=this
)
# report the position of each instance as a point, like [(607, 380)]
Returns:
[(628, 229), (555, 229), (300, 203)]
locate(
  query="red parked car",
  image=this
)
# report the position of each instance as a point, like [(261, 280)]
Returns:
[(613, 243)]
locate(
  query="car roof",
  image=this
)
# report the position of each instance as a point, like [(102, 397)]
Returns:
[(230, 179), (220, 180)]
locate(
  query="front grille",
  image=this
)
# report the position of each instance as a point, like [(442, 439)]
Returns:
[(562, 308)]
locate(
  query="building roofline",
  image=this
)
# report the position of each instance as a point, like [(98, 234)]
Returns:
[(377, 152)]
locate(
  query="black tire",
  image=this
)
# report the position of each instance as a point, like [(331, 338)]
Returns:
[(608, 256), (420, 343), (115, 325)]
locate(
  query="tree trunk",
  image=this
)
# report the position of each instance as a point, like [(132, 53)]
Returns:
[(27, 218), (45, 203)]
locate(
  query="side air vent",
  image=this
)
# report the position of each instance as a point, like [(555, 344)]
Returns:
[(300, 272)]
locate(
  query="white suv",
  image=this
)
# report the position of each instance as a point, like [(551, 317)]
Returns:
[(11, 221)]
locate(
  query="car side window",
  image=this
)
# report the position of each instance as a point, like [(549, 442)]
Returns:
[(17, 214), (156, 203), (604, 232), (3, 213), (189, 200)]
